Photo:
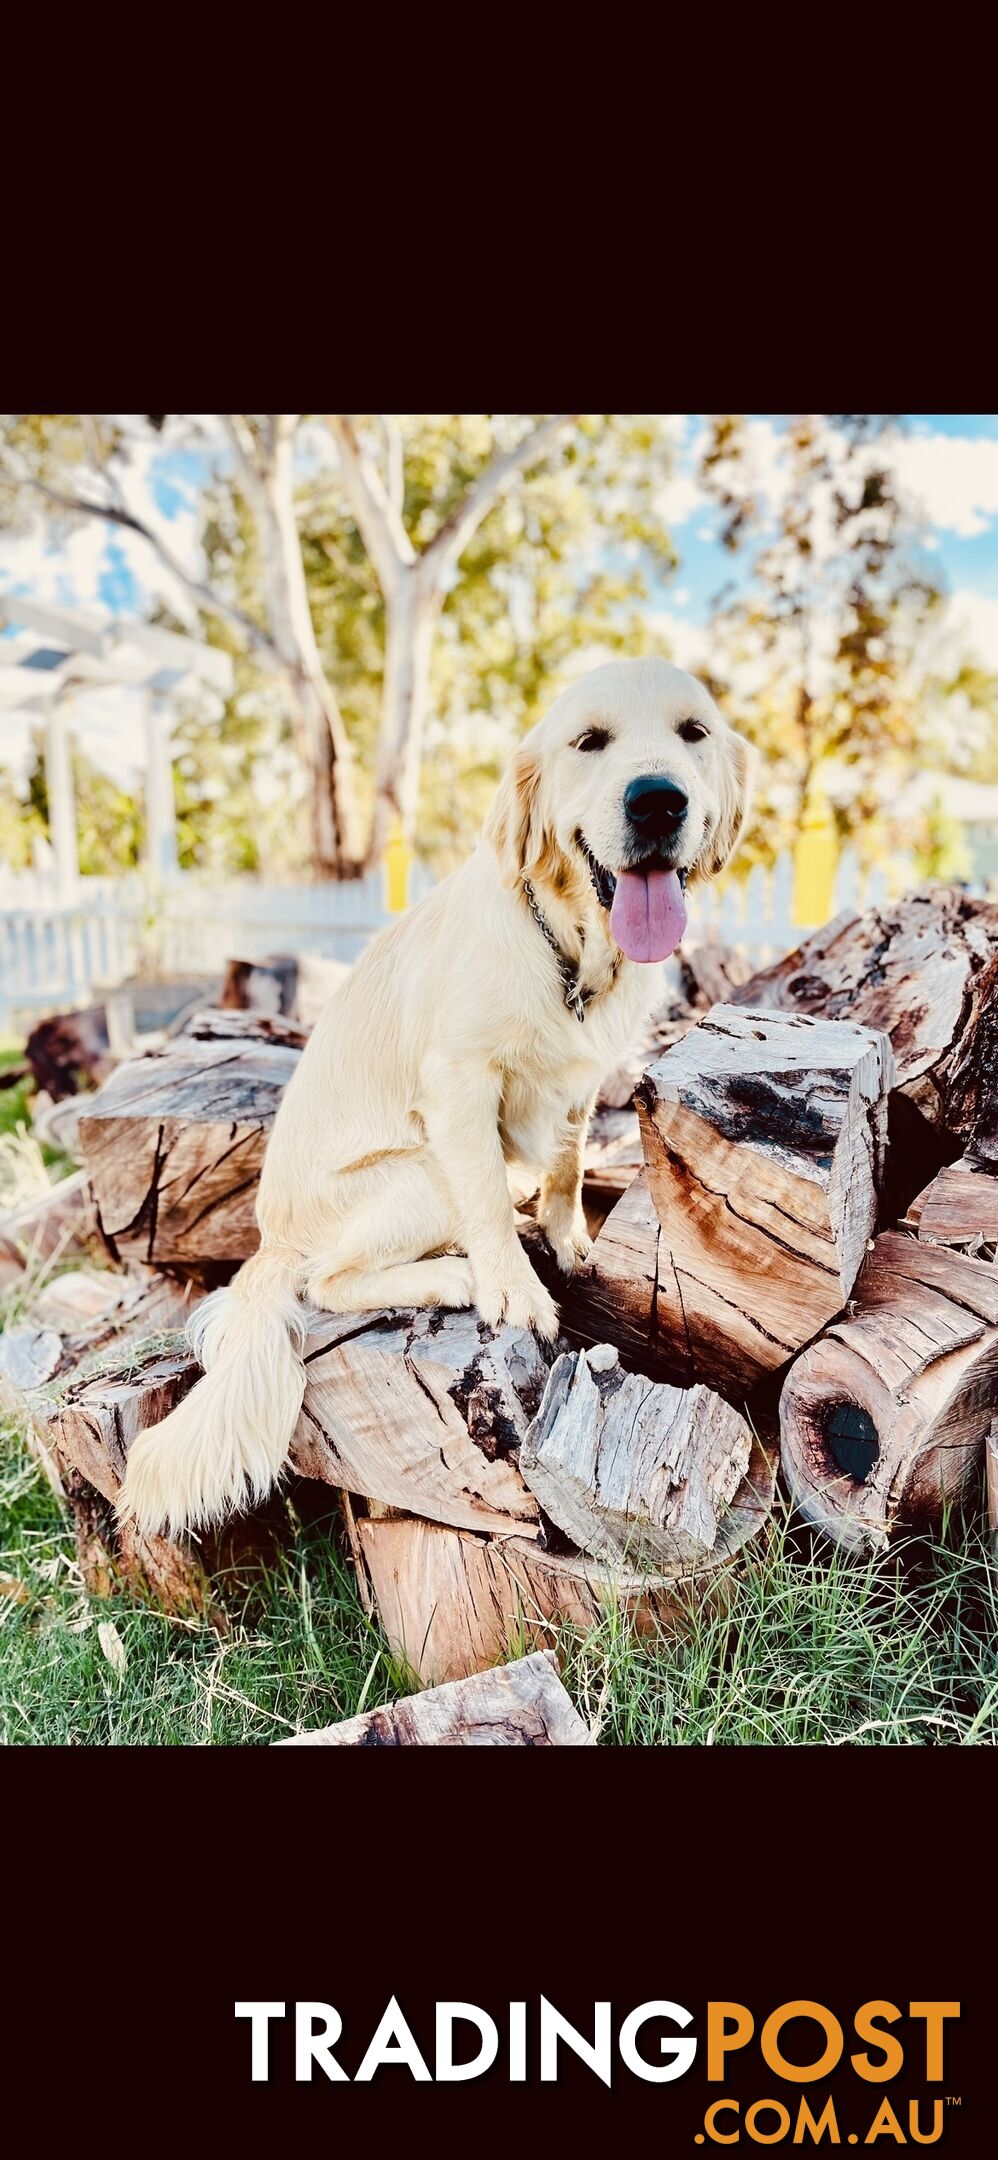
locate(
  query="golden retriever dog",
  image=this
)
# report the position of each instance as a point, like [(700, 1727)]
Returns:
[(467, 1044)]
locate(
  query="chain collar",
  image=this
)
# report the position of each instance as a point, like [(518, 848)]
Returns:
[(575, 997)]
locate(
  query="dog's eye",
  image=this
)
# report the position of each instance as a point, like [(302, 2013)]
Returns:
[(595, 738), (692, 730)]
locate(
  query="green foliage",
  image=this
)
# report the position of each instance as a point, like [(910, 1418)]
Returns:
[(110, 821), (817, 653)]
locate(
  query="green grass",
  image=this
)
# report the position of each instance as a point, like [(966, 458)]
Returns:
[(813, 1648)]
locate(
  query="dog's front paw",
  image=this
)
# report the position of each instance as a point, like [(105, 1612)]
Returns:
[(520, 1300), (569, 1240)]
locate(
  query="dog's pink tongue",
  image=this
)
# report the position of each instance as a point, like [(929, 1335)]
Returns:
[(648, 915)]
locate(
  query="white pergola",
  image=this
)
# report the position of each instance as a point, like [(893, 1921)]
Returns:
[(54, 654)]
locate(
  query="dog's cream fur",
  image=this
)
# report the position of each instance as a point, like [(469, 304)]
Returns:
[(447, 1057)]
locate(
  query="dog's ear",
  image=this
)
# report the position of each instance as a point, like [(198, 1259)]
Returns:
[(515, 824), (738, 764)]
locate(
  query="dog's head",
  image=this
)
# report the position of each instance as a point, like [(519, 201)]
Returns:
[(632, 782)]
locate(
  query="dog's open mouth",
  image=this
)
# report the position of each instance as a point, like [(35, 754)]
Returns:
[(646, 903)]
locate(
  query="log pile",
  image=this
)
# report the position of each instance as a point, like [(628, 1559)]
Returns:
[(796, 1200)]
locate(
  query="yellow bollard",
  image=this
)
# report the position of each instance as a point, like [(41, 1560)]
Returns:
[(816, 858), (398, 860)]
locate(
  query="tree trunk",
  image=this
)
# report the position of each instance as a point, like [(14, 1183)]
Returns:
[(267, 472), (522, 1705), (174, 1142), (662, 1477), (764, 1139), (411, 609), (883, 1421)]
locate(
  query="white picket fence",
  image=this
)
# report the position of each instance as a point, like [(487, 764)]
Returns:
[(57, 953)]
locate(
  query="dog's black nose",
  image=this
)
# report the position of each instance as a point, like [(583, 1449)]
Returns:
[(655, 805)]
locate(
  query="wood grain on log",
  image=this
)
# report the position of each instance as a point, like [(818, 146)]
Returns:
[(883, 1420), (666, 1478), (452, 1603), (764, 1139), (923, 970), (424, 1411), (519, 1705), (959, 1208), (174, 1143)]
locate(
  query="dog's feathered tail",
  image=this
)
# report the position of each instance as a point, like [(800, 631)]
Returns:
[(225, 1445)]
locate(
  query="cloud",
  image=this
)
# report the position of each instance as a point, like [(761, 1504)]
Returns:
[(952, 478)]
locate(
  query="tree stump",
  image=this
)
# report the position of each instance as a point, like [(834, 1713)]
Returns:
[(423, 1411), (764, 1140), (452, 1603), (923, 970), (666, 1478), (520, 1705), (174, 1143), (883, 1421)]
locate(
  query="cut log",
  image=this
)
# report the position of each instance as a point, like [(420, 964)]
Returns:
[(264, 986), (452, 1603), (423, 1411), (174, 1143), (70, 1051), (520, 1705), (764, 1139), (87, 1426), (614, 1297), (959, 1208), (666, 1478), (883, 1421), (971, 1109), (924, 971)]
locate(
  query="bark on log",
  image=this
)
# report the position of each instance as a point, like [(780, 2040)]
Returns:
[(520, 1705), (174, 1143), (883, 1421), (452, 1603), (764, 1138), (959, 1208), (423, 1411), (666, 1478), (924, 971)]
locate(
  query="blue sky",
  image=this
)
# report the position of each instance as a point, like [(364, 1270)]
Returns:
[(948, 463)]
